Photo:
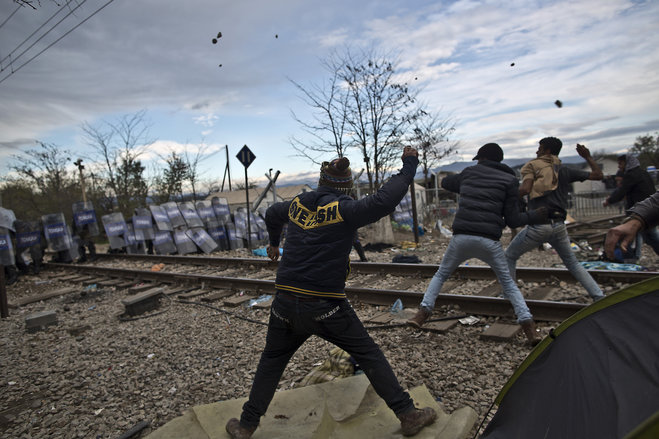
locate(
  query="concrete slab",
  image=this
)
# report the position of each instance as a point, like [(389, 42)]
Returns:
[(142, 302), (491, 290), (382, 318), (40, 320), (235, 301), (500, 332), (196, 291), (441, 327), (217, 296), (540, 293), (139, 288), (51, 294)]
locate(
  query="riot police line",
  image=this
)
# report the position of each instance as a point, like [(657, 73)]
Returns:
[(203, 226)]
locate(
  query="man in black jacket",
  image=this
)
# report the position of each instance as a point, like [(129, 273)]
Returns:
[(488, 203), (553, 230), (310, 289), (637, 185)]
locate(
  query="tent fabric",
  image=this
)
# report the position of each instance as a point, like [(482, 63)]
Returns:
[(597, 376)]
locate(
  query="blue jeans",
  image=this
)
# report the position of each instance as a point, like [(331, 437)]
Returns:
[(463, 247), (556, 235), (650, 237), (292, 321)]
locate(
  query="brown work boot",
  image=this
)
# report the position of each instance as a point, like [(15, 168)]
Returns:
[(413, 421), (528, 326), (237, 431), (419, 318)]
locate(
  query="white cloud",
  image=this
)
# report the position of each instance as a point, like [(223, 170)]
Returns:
[(595, 56), (206, 120)]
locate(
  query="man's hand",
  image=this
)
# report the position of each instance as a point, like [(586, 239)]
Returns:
[(408, 151), (583, 151), (273, 252), (624, 233)]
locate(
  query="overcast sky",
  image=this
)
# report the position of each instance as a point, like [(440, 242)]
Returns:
[(599, 57)]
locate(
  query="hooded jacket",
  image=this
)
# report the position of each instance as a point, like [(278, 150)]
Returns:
[(637, 184), (321, 228), (488, 200)]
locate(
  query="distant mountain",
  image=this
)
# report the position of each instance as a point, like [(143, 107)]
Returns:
[(513, 163), (311, 178)]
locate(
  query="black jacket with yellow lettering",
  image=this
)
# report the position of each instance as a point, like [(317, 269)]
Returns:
[(321, 226)]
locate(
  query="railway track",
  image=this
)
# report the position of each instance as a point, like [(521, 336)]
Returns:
[(593, 231), (483, 303), (468, 272)]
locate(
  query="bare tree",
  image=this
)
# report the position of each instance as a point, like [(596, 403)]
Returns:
[(328, 127), (119, 145), (363, 106), (430, 136), (46, 170), (193, 160)]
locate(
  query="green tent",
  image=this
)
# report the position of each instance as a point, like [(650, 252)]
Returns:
[(595, 376)]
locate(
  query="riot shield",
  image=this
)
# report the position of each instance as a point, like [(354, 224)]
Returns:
[(207, 214), (143, 224), (133, 245), (240, 219), (219, 235), (27, 234), (84, 215), (190, 214), (203, 240), (221, 208), (115, 229), (234, 241), (6, 249), (160, 217), (163, 243), (174, 214), (262, 234), (184, 244), (7, 219), (56, 232)]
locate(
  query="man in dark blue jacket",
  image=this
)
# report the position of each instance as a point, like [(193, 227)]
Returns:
[(488, 203), (310, 289)]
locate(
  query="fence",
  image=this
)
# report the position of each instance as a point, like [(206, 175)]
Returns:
[(581, 206), (584, 205)]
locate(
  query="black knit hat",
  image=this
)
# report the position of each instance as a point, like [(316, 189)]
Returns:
[(336, 174), (490, 151)]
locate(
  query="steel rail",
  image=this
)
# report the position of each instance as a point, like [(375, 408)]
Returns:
[(492, 306), (472, 272)]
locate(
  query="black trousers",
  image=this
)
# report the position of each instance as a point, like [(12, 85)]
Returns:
[(292, 321)]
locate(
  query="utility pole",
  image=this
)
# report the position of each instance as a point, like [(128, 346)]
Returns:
[(227, 170), (78, 163)]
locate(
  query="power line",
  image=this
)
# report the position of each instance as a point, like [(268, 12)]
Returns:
[(11, 62), (55, 42), (12, 14), (32, 34)]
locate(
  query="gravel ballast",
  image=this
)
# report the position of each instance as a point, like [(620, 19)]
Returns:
[(93, 375)]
